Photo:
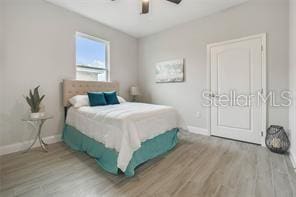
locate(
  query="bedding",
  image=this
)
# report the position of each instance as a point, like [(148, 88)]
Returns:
[(124, 127), (120, 99), (96, 98), (82, 100), (107, 158), (111, 98), (79, 101)]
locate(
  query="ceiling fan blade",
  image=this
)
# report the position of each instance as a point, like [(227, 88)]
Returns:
[(145, 6), (175, 1)]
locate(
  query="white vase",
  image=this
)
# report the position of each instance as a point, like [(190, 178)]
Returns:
[(36, 115)]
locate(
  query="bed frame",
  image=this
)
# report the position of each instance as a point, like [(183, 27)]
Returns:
[(75, 87)]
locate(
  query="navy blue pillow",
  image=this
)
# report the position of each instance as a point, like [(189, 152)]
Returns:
[(96, 98), (111, 98)]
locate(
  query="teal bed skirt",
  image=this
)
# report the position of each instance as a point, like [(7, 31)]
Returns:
[(107, 158)]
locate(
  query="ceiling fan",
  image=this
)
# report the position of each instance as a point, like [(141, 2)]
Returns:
[(145, 5)]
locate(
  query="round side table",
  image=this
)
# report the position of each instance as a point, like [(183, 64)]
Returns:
[(37, 123)]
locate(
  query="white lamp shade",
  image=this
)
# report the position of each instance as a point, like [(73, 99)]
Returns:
[(134, 91)]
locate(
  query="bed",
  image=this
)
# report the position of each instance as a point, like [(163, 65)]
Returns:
[(120, 137)]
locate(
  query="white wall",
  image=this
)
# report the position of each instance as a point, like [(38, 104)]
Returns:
[(40, 50), (189, 41), (292, 71)]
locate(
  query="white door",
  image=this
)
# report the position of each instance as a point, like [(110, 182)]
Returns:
[(236, 74)]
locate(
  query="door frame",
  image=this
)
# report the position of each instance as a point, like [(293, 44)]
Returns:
[(263, 37)]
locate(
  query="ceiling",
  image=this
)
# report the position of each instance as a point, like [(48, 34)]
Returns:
[(125, 16)]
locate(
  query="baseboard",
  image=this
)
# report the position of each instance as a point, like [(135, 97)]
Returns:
[(293, 159), (197, 130), (23, 145)]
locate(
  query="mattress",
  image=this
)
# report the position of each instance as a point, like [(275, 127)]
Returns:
[(124, 127)]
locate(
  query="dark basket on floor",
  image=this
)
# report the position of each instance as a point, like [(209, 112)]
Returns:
[(277, 139)]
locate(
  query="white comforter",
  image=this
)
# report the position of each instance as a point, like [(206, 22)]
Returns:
[(123, 127)]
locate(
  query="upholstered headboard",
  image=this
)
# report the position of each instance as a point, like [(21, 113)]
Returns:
[(74, 87)]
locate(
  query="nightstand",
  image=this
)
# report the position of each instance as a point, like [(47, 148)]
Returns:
[(37, 123)]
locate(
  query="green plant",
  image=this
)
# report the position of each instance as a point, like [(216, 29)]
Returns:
[(34, 100)]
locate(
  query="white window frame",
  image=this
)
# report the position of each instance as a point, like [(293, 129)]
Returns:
[(107, 49)]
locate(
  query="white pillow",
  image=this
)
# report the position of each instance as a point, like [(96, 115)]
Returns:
[(79, 101), (120, 99)]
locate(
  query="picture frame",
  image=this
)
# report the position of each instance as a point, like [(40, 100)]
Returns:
[(170, 71)]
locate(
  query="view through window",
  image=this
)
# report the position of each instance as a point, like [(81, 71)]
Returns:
[(91, 58)]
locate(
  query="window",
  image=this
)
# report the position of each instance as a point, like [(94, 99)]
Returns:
[(92, 58)]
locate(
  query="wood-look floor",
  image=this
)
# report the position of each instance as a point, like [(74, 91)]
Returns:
[(198, 166)]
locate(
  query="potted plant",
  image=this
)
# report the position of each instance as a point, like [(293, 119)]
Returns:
[(34, 101)]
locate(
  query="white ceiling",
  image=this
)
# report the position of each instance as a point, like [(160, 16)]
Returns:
[(125, 15)]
